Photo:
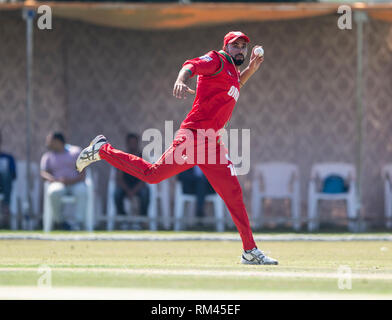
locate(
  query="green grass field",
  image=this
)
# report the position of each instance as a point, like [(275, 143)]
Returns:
[(307, 269)]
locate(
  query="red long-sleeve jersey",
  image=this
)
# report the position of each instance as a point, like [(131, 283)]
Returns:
[(216, 93)]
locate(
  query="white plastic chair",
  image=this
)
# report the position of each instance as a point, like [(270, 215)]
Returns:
[(280, 181), (386, 174), (179, 207), (70, 199), (158, 192), (19, 201), (320, 172)]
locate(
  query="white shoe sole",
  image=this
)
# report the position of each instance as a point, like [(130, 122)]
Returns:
[(96, 139), (244, 261), (80, 168)]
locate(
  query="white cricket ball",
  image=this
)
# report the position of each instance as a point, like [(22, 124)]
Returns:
[(259, 51)]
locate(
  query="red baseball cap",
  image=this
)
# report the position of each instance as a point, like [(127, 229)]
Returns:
[(233, 36)]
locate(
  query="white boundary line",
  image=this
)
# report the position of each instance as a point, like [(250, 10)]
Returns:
[(184, 237), (211, 273)]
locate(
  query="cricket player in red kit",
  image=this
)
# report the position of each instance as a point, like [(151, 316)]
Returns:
[(198, 141)]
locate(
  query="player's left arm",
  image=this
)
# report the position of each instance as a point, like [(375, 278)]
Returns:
[(254, 65)]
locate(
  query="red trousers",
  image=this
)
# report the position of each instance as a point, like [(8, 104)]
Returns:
[(190, 148)]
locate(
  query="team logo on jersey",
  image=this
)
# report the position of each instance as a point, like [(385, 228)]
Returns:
[(206, 58), (233, 92)]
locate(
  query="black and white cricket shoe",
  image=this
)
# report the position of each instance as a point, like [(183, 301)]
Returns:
[(91, 153), (256, 256)]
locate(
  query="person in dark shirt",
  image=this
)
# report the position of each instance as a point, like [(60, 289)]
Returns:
[(194, 182), (7, 175), (129, 186)]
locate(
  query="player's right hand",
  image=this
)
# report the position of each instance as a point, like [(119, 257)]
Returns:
[(180, 90)]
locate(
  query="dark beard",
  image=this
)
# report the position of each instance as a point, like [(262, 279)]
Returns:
[(238, 62)]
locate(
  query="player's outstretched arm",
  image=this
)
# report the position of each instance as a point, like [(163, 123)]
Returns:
[(254, 64), (180, 89)]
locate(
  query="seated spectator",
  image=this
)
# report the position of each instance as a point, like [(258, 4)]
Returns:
[(128, 186), (58, 167), (194, 182), (7, 175)]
